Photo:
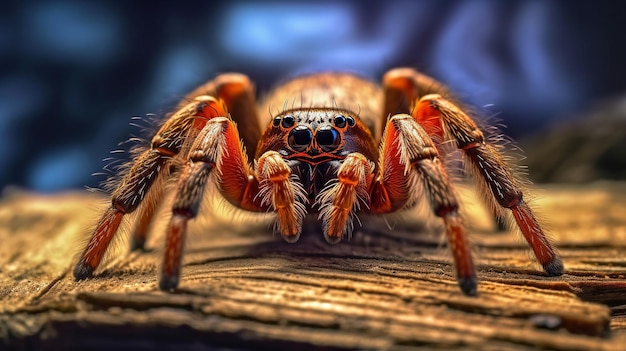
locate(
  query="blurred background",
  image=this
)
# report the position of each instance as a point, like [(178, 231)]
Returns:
[(75, 72)]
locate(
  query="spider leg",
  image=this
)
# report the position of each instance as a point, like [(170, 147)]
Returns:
[(147, 211), (340, 199), (409, 156), (442, 119), (147, 167), (217, 147), (401, 87), (237, 93)]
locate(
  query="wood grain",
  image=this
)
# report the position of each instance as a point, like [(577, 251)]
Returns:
[(385, 289)]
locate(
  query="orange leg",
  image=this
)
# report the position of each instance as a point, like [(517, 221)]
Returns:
[(237, 92), (217, 147), (445, 120), (402, 86), (171, 141), (188, 197), (409, 157), (136, 184), (147, 212)]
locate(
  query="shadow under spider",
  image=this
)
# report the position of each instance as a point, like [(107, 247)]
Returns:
[(373, 239)]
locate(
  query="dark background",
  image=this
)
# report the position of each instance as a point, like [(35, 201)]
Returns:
[(75, 72)]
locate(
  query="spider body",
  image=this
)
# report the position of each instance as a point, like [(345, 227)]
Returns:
[(316, 131), (333, 145)]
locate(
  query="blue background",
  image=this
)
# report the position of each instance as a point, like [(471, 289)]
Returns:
[(75, 72)]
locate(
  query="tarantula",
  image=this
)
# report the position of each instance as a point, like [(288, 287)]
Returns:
[(339, 145)]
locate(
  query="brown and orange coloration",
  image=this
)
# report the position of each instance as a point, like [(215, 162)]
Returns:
[(333, 145)]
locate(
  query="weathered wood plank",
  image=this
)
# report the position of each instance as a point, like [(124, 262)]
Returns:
[(241, 289)]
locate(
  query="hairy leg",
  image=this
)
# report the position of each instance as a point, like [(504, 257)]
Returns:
[(409, 159), (443, 118), (217, 150), (236, 92), (147, 211), (171, 141), (408, 91), (135, 185), (402, 86)]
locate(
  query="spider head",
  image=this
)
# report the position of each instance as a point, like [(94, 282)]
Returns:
[(312, 135)]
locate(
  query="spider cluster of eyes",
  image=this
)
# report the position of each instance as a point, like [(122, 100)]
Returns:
[(288, 121), (301, 136)]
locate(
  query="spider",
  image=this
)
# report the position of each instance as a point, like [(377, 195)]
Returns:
[(340, 145)]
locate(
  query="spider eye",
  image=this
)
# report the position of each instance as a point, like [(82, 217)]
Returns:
[(288, 121), (340, 121), (276, 122), (327, 138), (300, 138), (351, 122)]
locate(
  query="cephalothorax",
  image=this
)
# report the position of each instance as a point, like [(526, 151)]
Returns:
[(333, 145)]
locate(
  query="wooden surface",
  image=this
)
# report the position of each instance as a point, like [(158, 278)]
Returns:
[(243, 289)]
